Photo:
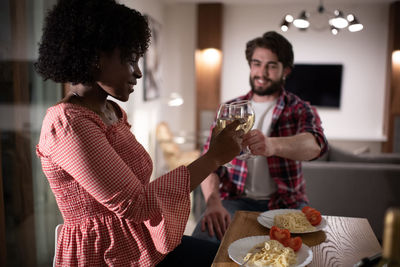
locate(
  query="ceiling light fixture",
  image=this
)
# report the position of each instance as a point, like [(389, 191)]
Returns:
[(354, 25), (322, 19), (302, 21), (175, 100), (286, 23)]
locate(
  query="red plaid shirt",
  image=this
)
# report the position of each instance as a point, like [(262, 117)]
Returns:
[(291, 116)]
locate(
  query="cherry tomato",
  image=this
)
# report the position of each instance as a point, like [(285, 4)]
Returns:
[(306, 209), (295, 243), (280, 235), (313, 215)]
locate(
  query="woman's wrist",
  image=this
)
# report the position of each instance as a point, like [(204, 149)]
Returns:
[(201, 168), (212, 160)]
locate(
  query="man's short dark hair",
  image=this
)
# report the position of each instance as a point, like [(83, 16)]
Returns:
[(76, 32), (274, 42)]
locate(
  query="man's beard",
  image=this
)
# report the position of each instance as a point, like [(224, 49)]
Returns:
[(274, 88)]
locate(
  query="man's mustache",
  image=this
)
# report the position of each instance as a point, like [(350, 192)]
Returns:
[(265, 78)]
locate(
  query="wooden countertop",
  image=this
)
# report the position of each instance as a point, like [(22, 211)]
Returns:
[(343, 242)]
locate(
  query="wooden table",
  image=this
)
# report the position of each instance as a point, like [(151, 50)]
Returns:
[(343, 242)]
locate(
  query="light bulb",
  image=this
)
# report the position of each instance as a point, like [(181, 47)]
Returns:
[(334, 30), (355, 26), (338, 21), (396, 57), (289, 18), (302, 21), (211, 56), (350, 17), (285, 25)]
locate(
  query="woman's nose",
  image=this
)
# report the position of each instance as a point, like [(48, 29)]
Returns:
[(137, 72)]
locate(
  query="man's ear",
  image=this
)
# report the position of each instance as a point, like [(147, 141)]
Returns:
[(287, 71)]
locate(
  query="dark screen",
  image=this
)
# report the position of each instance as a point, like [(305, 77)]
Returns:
[(320, 84)]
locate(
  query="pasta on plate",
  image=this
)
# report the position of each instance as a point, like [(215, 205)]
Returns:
[(272, 254), (293, 221)]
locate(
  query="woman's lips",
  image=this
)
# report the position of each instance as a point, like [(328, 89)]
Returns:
[(131, 85)]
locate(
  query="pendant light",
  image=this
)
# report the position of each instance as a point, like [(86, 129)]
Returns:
[(322, 19)]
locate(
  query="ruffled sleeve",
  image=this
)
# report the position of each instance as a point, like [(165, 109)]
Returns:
[(173, 197)]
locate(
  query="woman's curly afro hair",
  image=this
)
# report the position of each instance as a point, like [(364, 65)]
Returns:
[(77, 31)]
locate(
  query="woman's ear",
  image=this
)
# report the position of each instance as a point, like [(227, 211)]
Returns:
[(96, 66)]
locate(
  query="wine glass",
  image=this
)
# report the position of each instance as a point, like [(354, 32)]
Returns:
[(243, 110), (223, 119), (227, 113)]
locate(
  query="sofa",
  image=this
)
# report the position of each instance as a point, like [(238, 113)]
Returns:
[(354, 185)]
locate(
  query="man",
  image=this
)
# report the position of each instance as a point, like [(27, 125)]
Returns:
[(287, 130)]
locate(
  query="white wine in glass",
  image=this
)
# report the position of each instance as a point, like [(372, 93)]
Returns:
[(230, 112), (227, 113), (243, 110), (248, 124), (224, 117), (222, 123)]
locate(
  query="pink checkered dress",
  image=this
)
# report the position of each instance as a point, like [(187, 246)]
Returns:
[(100, 176)]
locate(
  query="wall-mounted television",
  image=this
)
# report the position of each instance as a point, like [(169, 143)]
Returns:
[(319, 84)]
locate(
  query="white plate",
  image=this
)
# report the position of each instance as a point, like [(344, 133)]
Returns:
[(238, 250), (267, 219)]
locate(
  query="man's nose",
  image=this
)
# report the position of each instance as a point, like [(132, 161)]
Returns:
[(265, 70)]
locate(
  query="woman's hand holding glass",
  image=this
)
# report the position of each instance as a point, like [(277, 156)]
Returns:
[(225, 143), (237, 110)]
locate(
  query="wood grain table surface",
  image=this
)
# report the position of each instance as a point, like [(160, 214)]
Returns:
[(343, 242)]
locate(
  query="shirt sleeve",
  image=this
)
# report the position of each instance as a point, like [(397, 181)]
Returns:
[(79, 146), (309, 121)]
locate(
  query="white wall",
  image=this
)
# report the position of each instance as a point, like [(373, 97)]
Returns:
[(178, 75), (363, 55), (179, 68), (143, 115)]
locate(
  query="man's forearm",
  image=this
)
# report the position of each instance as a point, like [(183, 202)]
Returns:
[(302, 146)]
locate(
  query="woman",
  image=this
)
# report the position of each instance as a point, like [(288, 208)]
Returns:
[(98, 172)]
